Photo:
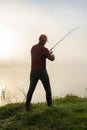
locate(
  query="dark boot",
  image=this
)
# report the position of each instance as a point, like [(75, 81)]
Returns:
[(52, 105), (27, 105)]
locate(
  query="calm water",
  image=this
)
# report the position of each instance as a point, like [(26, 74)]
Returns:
[(64, 80)]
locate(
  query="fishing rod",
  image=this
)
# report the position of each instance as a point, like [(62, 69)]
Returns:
[(63, 38)]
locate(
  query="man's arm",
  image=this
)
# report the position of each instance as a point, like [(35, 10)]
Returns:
[(49, 55)]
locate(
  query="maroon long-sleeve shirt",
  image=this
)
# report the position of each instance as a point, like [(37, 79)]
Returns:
[(39, 53)]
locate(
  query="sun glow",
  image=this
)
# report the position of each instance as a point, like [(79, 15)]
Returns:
[(7, 40)]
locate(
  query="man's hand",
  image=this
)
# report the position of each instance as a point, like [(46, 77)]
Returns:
[(53, 56)]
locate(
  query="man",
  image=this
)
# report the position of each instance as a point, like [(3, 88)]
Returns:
[(39, 54)]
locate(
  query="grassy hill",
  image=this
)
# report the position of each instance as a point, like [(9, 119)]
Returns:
[(70, 114)]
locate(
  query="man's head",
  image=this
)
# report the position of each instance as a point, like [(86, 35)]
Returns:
[(43, 39)]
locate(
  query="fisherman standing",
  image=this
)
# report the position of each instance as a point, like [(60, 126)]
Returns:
[(39, 54)]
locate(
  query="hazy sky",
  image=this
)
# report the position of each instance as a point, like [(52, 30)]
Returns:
[(22, 21)]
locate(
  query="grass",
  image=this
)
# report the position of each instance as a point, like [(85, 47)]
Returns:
[(70, 114)]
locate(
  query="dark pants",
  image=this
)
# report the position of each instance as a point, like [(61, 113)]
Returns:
[(34, 77)]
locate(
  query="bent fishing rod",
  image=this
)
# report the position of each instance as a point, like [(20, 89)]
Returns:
[(63, 38)]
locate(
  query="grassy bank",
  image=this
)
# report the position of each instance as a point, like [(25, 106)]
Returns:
[(70, 114)]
